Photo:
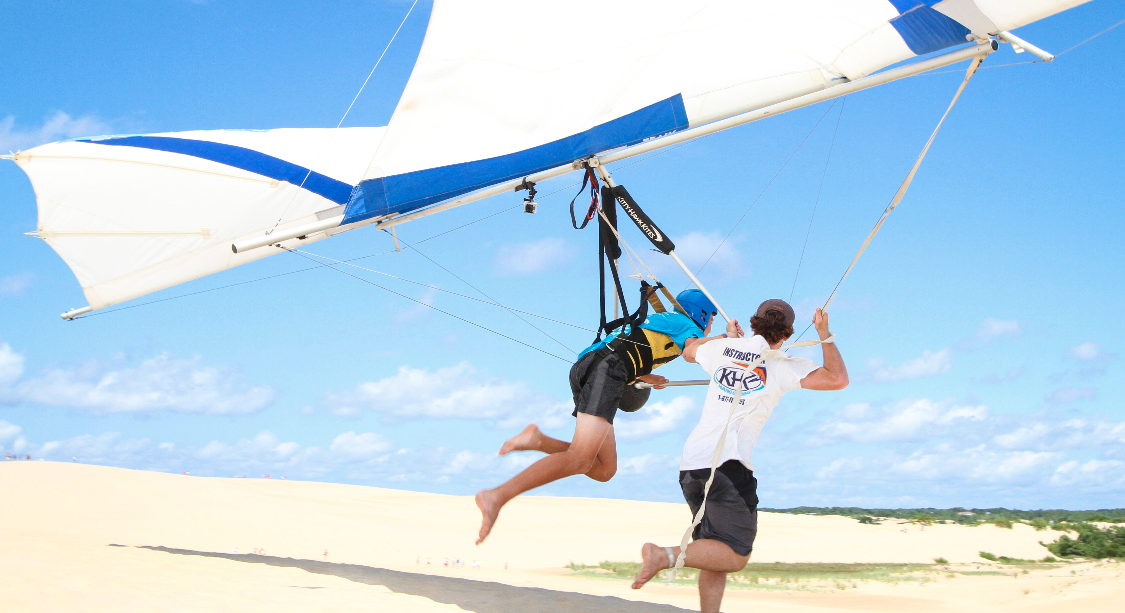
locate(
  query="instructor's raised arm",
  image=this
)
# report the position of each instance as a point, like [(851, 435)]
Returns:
[(692, 345), (833, 375)]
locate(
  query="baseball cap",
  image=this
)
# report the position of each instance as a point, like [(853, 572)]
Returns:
[(776, 304)]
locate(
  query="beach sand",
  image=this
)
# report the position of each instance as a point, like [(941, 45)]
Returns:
[(76, 537)]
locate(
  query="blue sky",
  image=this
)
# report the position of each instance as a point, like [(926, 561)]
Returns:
[(981, 329)]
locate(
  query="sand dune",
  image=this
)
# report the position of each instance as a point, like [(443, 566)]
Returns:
[(59, 521)]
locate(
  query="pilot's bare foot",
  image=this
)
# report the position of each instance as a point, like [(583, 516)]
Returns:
[(489, 509), (528, 440), (654, 559)]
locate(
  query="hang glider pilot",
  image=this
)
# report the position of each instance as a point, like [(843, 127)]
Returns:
[(723, 540), (601, 382)]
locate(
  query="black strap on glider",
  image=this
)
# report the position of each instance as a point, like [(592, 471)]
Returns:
[(592, 179), (644, 223), (609, 248)]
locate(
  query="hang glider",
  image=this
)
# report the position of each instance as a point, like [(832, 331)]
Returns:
[(504, 92)]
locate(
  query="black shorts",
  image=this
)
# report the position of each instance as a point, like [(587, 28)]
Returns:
[(601, 395), (732, 505)]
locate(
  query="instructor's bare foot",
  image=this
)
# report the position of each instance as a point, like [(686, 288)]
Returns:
[(528, 440), (653, 560), (489, 509)]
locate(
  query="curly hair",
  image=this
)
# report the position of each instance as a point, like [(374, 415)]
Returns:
[(771, 327)]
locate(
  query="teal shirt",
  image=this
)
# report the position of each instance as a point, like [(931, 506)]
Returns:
[(677, 326)]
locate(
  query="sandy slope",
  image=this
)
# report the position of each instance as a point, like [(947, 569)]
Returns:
[(57, 521)]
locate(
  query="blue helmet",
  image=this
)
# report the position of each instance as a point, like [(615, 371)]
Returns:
[(698, 306)]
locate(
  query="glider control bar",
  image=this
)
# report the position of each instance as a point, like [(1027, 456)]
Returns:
[(642, 385)]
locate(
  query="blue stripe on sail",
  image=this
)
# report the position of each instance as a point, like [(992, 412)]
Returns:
[(243, 158), (924, 29), (414, 190), (905, 5)]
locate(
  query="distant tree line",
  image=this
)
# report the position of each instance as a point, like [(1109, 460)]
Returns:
[(960, 515)]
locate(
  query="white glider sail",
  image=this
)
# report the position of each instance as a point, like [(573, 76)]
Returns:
[(506, 88), (502, 89), (132, 215)]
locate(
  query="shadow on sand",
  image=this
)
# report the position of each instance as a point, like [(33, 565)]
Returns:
[(476, 596)]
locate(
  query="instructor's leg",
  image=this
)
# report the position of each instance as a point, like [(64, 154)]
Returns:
[(704, 554), (589, 435), (711, 586)]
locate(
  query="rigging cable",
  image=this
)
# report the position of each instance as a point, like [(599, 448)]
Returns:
[(341, 122), (512, 311), (430, 306), (831, 146), (1057, 55), (763, 193), (433, 287)]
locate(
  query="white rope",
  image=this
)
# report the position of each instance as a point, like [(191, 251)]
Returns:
[(906, 182), (723, 441)]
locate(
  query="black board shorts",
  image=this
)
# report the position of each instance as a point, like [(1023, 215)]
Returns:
[(732, 505), (601, 394)]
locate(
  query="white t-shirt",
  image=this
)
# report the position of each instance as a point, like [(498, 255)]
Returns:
[(725, 362)]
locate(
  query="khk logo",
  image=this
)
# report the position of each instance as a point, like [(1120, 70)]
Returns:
[(728, 377)]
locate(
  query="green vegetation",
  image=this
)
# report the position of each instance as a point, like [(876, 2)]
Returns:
[(1039, 524), (779, 575), (923, 519), (989, 556), (941, 561), (867, 519), (1000, 522), (1092, 542), (970, 517)]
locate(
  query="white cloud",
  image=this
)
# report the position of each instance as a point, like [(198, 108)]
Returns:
[(991, 329), (11, 366), (977, 464), (159, 383), (694, 249), (13, 285), (416, 311), (1023, 437), (8, 431), (929, 365), (1090, 352), (366, 445), (456, 392), (908, 420), (654, 419), (647, 463), (264, 450), (1098, 473), (841, 467), (1070, 395), (534, 257), (59, 126), (1011, 375)]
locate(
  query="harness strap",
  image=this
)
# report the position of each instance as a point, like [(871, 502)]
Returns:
[(590, 178)]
